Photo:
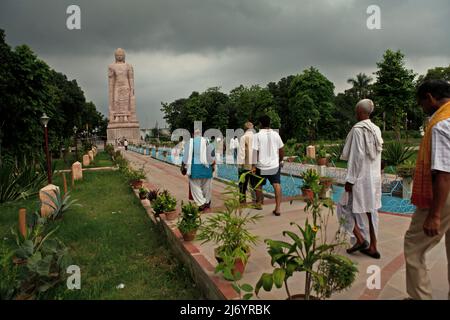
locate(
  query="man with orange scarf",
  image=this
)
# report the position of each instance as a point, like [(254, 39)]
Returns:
[(431, 189)]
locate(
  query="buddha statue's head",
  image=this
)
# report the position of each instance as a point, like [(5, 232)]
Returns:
[(120, 55)]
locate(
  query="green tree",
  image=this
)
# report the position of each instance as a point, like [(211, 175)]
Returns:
[(394, 89), (438, 73), (311, 106), (361, 85)]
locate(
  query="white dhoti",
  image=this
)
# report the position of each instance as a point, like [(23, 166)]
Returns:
[(362, 150), (347, 219), (201, 190)]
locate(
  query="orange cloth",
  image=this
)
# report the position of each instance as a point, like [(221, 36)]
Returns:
[(422, 195)]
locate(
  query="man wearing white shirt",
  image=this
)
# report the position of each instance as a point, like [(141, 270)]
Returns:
[(234, 146), (269, 153)]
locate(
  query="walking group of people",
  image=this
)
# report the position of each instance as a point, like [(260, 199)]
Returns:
[(259, 156)]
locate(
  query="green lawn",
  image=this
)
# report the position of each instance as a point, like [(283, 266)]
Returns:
[(101, 160), (113, 241)]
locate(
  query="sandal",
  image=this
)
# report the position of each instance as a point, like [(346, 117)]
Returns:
[(375, 255), (276, 213), (358, 247)]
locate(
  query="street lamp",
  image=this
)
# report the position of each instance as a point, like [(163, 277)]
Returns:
[(75, 129), (310, 130), (44, 121)]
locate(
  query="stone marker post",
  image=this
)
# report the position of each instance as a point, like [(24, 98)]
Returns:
[(77, 171), (86, 160), (44, 193)]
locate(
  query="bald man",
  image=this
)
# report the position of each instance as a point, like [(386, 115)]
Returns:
[(362, 150)]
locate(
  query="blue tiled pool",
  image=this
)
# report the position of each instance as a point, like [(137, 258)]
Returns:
[(291, 185)]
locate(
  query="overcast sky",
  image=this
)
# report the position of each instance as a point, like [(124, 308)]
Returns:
[(178, 46)]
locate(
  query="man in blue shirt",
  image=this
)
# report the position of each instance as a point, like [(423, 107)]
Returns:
[(198, 162)]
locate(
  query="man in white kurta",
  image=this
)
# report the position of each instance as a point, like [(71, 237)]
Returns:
[(362, 150)]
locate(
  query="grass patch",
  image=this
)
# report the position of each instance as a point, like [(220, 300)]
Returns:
[(113, 241), (101, 160)]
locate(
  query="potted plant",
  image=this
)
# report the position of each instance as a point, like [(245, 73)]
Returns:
[(325, 184), (309, 251), (228, 231), (153, 194), (135, 177), (406, 170), (165, 203), (322, 159), (143, 193), (310, 185), (190, 221)]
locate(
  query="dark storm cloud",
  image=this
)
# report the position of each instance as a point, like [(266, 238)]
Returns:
[(184, 45)]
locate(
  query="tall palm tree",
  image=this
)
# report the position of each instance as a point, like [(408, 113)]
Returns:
[(361, 84)]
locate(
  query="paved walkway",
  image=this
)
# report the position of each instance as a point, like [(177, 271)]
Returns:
[(391, 231)]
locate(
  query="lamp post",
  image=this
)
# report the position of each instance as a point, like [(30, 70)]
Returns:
[(310, 131), (75, 129), (44, 121)]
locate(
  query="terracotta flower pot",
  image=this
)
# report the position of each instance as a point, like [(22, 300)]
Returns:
[(308, 193), (322, 161), (171, 215), (136, 184), (239, 265), (189, 236)]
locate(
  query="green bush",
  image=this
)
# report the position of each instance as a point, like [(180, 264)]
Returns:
[(165, 202), (190, 218), (396, 153), (19, 181)]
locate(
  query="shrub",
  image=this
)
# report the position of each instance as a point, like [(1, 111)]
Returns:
[(396, 153), (164, 203), (190, 218), (19, 181), (60, 204)]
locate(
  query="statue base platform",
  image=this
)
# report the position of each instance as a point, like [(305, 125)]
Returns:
[(120, 130)]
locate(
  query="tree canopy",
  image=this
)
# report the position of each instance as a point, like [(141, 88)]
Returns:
[(28, 88)]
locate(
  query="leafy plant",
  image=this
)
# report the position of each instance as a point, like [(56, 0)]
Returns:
[(44, 258), (396, 153), (9, 282), (143, 192), (60, 204), (19, 181), (309, 251), (335, 151), (153, 194), (190, 218), (227, 229), (321, 152), (406, 170), (310, 179), (164, 203)]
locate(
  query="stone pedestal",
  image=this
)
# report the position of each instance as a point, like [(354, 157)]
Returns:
[(86, 160), (77, 171), (44, 193), (129, 131), (311, 152), (91, 155)]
